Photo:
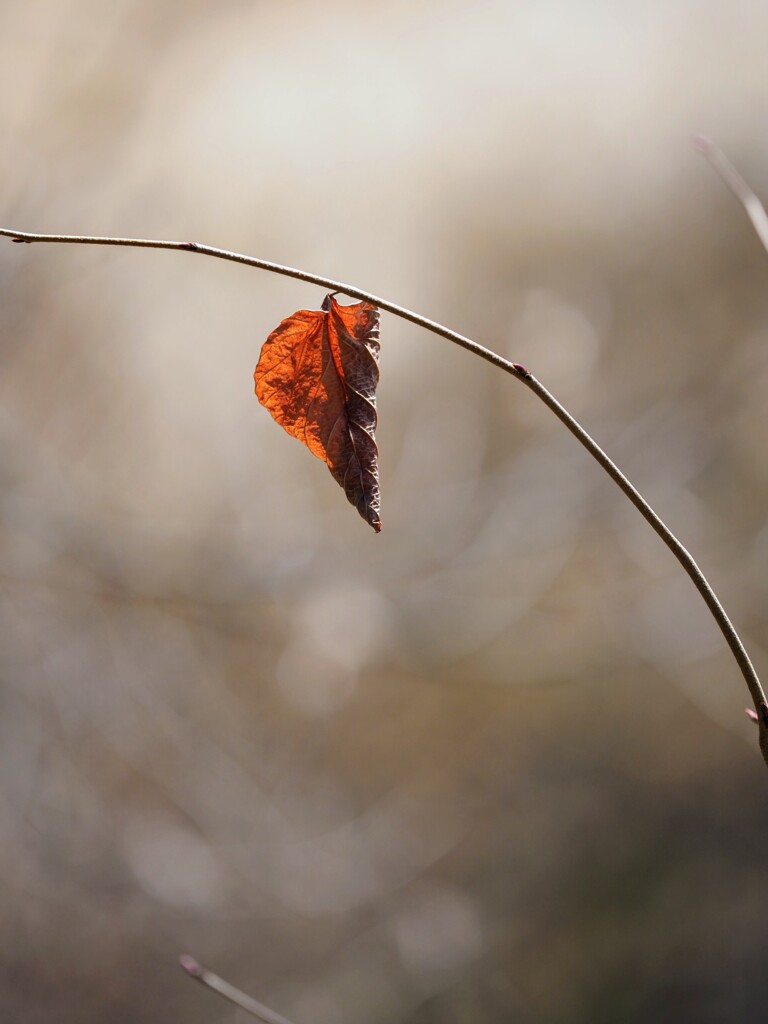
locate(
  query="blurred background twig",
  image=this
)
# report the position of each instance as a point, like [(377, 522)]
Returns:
[(736, 183), (229, 992)]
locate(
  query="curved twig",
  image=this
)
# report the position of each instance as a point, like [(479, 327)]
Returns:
[(683, 556)]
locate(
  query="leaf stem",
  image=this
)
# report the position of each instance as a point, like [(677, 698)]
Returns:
[(683, 556), (223, 988)]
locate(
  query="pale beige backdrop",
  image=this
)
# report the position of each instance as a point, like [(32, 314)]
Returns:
[(491, 765)]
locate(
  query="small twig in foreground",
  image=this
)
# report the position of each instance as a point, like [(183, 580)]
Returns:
[(754, 208), (229, 992)]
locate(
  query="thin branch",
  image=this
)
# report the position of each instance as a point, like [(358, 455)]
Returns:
[(277, 268), (752, 205), (683, 556), (229, 992)]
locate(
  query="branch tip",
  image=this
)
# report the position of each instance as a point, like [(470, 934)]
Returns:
[(703, 144), (227, 991), (189, 965), (740, 188)]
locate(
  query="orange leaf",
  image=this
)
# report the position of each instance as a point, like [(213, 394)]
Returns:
[(317, 375)]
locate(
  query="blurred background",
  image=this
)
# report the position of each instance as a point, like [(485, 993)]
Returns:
[(491, 765)]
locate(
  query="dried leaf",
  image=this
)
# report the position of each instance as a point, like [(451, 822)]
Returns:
[(317, 375)]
